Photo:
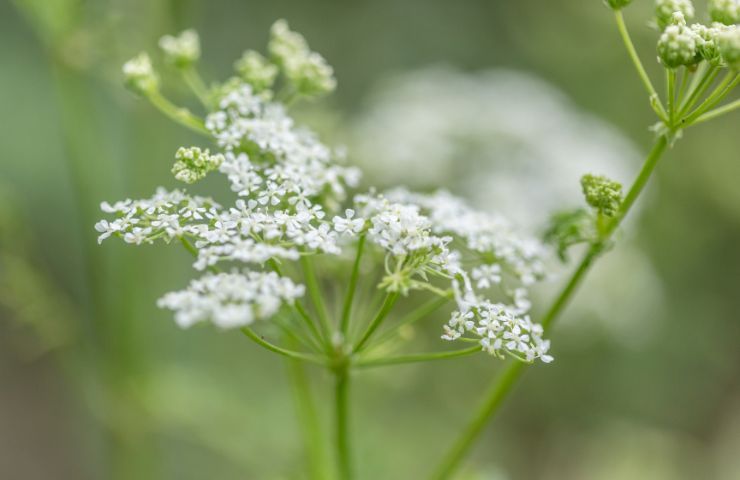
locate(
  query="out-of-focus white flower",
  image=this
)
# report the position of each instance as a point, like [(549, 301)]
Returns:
[(182, 50)]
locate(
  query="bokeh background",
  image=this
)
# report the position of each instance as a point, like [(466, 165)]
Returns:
[(96, 383)]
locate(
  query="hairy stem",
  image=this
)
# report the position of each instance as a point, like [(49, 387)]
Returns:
[(504, 384)]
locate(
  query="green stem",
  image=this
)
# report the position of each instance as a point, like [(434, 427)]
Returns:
[(196, 84), (279, 350), (414, 316), (178, 114), (670, 74), (730, 81), (388, 303), (717, 112), (416, 357), (698, 88), (313, 438), (317, 297), (638, 64), (347, 308), (504, 384), (341, 394)]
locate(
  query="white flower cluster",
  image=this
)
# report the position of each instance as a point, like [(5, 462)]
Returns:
[(139, 75), (231, 300), (725, 11), (664, 10), (182, 50), (289, 188), (435, 235)]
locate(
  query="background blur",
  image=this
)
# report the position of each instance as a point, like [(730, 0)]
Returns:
[(96, 383)]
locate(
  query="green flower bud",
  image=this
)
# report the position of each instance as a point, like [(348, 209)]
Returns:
[(193, 164), (728, 42), (603, 194), (725, 11), (139, 75), (617, 4), (307, 71), (256, 70), (181, 51), (677, 45), (664, 10)]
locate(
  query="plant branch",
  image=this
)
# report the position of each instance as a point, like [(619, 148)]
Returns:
[(717, 112), (341, 398), (183, 116), (347, 308), (252, 335), (316, 296), (416, 357), (388, 303), (504, 384)]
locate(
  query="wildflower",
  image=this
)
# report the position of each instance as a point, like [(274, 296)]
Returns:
[(307, 71), (231, 300), (194, 164), (664, 10), (677, 45), (256, 70), (348, 224), (725, 11), (182, 50), (728, 42), (139, 75), (602, 194)]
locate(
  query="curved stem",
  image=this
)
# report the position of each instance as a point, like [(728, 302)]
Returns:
[(178, 114), (416, 357), (504, 384), (637, 63), (279, 350), (388, 303), (347, 308)]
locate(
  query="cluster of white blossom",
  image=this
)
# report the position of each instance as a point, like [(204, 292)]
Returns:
[(231, 300), (290, 188)]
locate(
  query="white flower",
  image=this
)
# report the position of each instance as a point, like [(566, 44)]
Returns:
[(231, 300), (487, 275), (182, 50), (348, 224)]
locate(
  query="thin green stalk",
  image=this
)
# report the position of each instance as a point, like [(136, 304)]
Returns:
[(180, 115), (416, 357), (317, 298), (388, 303), (313, 437), (717, 112), (624, 33), (698, 88), (252, 335), (197, 85), (347, 308), (670, 75), (341, 410), (504, 384), (414, 316), (729, 82)]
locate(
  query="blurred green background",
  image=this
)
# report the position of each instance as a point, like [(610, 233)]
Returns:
[(95, 382)]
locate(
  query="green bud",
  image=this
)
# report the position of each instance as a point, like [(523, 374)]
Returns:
[(139, 75), (725, 11), (677, 45), (181, 51), (728, 42), (706, 43), (664, 10), (256, 70), (617, 4), (193, 164), (602, 194), (307, 71)]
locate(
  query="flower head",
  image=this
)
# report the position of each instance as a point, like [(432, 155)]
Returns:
[(256, 70), (725, 11), (602, 194), (664, 10), (182, 50), (139, 75), (193, 164)]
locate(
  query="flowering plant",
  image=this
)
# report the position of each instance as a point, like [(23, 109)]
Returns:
[(294, 225)]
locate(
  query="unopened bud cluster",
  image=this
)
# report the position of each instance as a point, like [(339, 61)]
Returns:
[(182, 50), (602, 194), (193, 164), (139, 75)]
